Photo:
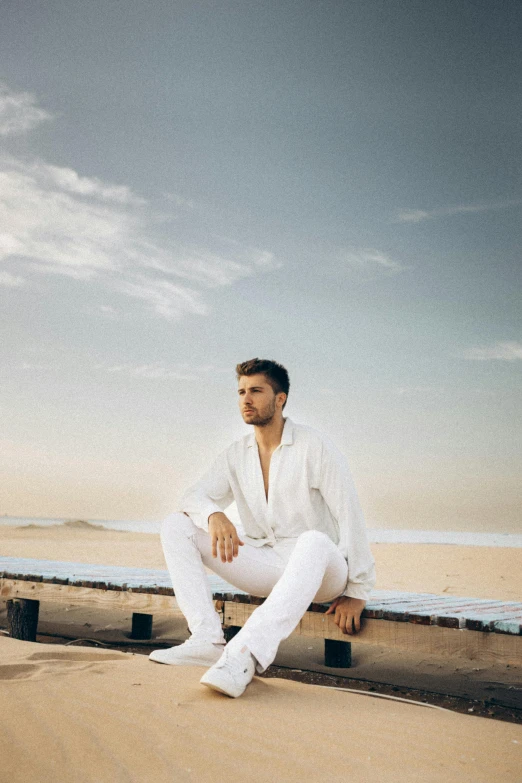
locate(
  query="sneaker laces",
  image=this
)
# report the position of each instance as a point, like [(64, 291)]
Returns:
[(225, 662)]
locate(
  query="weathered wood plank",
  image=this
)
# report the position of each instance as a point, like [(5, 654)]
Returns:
[(89, 596), (503, 617), (480, 646)]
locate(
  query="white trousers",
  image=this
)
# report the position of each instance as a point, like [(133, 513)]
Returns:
[(293, 573)]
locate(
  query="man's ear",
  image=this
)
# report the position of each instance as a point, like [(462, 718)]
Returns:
[(282, 398)]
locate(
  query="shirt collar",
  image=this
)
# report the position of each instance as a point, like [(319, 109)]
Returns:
[(287, 438)]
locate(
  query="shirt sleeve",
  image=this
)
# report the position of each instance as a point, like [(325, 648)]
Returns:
[(210, 494), (338, 490)]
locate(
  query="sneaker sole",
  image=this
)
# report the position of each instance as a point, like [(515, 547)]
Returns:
[(220, 688)]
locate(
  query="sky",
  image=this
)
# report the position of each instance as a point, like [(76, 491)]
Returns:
[(334, 185)]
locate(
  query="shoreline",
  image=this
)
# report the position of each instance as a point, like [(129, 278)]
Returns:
[(375, 535)]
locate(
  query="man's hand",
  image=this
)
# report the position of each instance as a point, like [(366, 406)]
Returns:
[(223, 534), (347, 613)]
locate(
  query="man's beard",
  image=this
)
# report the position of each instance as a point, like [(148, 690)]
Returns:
[(265, 417)]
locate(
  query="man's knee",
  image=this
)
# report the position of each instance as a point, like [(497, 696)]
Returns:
[(176, 525), (313, 539)]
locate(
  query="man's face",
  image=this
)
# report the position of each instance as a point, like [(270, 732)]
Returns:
[(257, 400)]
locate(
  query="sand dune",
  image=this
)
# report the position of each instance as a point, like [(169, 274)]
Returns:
[(94, 716), (69, 524)]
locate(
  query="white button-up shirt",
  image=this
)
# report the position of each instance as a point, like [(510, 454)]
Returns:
[(310, 488)]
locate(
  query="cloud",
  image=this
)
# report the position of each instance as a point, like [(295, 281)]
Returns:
[(180, 201), (36, 366), (266, 260), (151, 372), (165, 298), (58, 222), (413, 216), (10, 281), (418, 215), (371, 260), (413, 390), (109, 311), (508, 351), (19, 112), (181, 372), (202, 267), (256, 257), (52, 228), (68, 180)]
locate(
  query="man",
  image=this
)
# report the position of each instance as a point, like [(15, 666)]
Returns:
[(305, 537)]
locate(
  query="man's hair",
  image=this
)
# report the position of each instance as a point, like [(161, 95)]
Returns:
[(276, 374)]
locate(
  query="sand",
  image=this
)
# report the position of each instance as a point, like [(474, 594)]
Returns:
[(91, 715)]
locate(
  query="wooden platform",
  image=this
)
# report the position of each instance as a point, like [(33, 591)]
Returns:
[(464, 627)]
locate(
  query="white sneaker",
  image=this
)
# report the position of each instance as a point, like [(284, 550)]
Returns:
[(232, 673), (193, 652)]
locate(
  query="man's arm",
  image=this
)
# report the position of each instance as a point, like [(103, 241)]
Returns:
[(211, 494), (204, 503), (338, 490)]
